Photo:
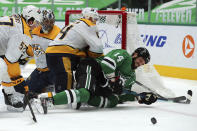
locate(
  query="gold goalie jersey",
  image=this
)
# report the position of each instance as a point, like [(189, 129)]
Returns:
[(15, 41), (78, 36), (40, 42)]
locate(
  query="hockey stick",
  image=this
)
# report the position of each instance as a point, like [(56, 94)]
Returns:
[(189, 97), (31, 110), (174, 99)]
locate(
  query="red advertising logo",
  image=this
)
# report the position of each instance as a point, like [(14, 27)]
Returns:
[(188, 46)]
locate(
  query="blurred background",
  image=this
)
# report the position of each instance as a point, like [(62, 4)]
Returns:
[(148, 11)]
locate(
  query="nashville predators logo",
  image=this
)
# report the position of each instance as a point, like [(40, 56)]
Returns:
[(37, 50)]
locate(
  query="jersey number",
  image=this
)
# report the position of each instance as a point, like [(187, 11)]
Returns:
[(64, 31), (120, 58), (10, 23)]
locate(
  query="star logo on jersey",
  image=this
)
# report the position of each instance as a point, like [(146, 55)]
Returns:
[(188, 46)]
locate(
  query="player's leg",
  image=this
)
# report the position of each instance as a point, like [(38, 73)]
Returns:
[(89, 74), (39, 80), (103, 102), (13, 99), (61, 68)]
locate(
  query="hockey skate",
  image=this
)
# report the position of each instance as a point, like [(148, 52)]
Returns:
[(42, 103), (14, 101)]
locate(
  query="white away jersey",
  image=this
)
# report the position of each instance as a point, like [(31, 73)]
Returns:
[(14, 38), (79, 35)]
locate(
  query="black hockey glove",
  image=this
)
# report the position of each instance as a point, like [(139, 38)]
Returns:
[(117, 86), (23, 61), (147, 98), (20, 85)]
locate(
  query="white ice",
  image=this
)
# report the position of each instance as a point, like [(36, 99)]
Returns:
[(130, 116)]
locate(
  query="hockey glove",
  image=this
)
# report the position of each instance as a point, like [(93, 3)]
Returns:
[(147, 98), (23, 61), (117, 86), (18, 83)]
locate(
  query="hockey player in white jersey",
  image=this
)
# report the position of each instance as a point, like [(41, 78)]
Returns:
[(41, 77), (15, 44), (63, 54)]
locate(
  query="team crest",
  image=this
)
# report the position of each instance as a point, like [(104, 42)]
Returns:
[(38, 50)]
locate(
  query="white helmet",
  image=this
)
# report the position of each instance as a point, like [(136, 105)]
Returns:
[(90, 12), (30, 12)]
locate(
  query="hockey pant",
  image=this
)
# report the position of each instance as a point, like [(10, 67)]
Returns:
[(61, 67), (38, 81), (89, 75)]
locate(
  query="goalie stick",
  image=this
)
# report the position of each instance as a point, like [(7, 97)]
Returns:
[(174, 99)]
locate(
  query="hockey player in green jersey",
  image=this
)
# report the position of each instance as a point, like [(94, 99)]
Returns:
[(100, 82)]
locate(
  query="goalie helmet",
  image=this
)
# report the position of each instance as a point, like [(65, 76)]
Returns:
[(48, 21), (90, 12), (144, 53), (31, 12)]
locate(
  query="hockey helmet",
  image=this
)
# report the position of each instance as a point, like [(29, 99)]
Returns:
[(48, 21), (144, 53), (90, 12), (31, 12)]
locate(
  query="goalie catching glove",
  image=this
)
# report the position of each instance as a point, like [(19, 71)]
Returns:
[(147, 98)]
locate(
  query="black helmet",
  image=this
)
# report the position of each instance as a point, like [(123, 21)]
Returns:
[(144, 53)]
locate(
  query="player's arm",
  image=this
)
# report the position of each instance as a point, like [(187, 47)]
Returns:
[(16, 50), (111, 62)]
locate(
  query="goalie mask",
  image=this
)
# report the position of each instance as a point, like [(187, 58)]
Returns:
[(48, 21), (32, 13), (90, 13)]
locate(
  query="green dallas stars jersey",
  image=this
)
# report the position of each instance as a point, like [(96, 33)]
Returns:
[(118, 63)]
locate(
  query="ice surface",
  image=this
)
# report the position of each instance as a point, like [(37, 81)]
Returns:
[(130, 116)]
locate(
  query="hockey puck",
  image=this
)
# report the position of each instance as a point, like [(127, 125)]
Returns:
[(153, 120)]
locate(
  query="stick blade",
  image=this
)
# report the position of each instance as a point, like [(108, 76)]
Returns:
[(189, 96)]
